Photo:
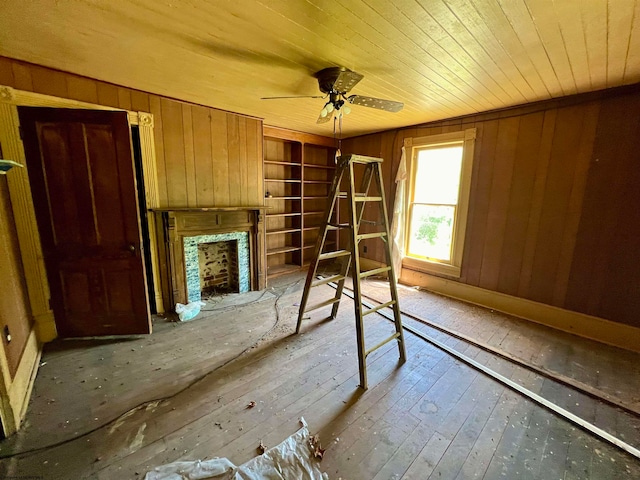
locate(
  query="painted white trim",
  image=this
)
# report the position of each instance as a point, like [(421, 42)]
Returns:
[(467, 138)]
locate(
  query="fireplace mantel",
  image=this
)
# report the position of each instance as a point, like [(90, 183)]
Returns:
[(175, 224)]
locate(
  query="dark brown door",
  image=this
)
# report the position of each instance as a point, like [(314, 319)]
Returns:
[(83, 185)]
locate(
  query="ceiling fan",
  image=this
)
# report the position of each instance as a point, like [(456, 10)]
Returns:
[(335, 83)]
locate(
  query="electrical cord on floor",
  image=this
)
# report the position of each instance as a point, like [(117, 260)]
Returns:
[(285, 289)]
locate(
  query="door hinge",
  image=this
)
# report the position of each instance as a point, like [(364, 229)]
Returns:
[(50, 304), (21, 132)]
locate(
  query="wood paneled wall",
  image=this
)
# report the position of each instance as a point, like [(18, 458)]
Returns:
[(205, 157), (15, 313), (554, 214)]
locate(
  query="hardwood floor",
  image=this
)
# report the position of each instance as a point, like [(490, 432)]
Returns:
[(181, 394)]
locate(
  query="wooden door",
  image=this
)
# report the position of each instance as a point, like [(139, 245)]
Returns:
[(83, 185)]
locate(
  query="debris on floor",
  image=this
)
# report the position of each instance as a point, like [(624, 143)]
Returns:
[(293, 458)]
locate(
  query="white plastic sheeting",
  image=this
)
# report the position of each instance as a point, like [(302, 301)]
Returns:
[(292, 459), (398, 220)]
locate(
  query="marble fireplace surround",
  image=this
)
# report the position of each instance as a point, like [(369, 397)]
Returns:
[(184, 228)]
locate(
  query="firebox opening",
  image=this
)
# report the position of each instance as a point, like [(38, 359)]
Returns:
[(218, 267)]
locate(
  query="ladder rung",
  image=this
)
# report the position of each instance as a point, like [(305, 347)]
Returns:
[(368, 199), (375, 271), (336, 226), (324, 281), (337, 253), (379, 307), (371, 235), (322, 304), (346, 195), (392, 337)]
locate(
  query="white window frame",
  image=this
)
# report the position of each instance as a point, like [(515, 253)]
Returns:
[(466, 138)]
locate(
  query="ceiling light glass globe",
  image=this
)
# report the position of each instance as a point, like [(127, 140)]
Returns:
[(329, 107), (323, 112), (346, 109)]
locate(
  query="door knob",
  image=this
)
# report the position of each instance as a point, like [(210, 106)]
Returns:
[(132, 248)]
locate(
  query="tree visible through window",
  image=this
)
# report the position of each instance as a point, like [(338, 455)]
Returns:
[(439, 188)]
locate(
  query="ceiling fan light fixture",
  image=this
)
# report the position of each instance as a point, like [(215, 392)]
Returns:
[(324, 112), (346, 109), (329, 107)]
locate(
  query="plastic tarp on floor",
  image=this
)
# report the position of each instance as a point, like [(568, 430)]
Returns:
[(292, 459)]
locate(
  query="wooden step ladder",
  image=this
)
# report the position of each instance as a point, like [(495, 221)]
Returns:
[(350, 259)]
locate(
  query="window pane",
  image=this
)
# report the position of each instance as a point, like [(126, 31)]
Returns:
[(438, 175), (431, 231)]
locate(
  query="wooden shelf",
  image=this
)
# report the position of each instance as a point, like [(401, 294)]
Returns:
[(284, 214), (325, 167), (288, 182), (285, 249), (288, 164), (282, 231)]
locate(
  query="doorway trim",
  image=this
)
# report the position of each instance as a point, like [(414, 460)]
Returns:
[(22, 202)]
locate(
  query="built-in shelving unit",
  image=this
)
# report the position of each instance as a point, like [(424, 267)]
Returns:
[(298, 171)]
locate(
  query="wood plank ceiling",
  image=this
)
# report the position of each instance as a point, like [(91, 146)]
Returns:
[(442, 58)]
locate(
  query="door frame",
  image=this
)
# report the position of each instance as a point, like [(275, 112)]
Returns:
[(22, 202)]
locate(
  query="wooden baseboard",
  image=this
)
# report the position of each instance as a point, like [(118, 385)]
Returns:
[(587, 326)]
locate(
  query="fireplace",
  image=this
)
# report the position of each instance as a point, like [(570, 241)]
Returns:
[(216, 264), (210, 250)]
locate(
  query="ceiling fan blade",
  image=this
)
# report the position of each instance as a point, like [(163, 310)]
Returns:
[(296, 96), (380, 104), (347, 80)]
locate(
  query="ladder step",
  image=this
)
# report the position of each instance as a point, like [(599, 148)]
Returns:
[(337, 253), (372, 349), (379, 307), (355, 195), (322, 304), (371, 235), (324, 281), (375, 271), (368, 199), (336, 226)]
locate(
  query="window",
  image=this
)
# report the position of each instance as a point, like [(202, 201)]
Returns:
[(438, 201)]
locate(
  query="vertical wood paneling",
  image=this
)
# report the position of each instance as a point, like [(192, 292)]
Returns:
[(82, 89), (520, 200), (220, 153), (480, 195), (560, 176), (139, 101), (174, 158), (498, 202), (49, 82), (108, 95), (242, 160), (615, 162), (189, 157), (235, 180), (202, 153), (554, 211), (533, 224), (124, 98), (584, 152), (22, 77), (6, 72)]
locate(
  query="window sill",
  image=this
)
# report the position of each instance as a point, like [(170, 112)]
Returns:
[(427, 266)]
